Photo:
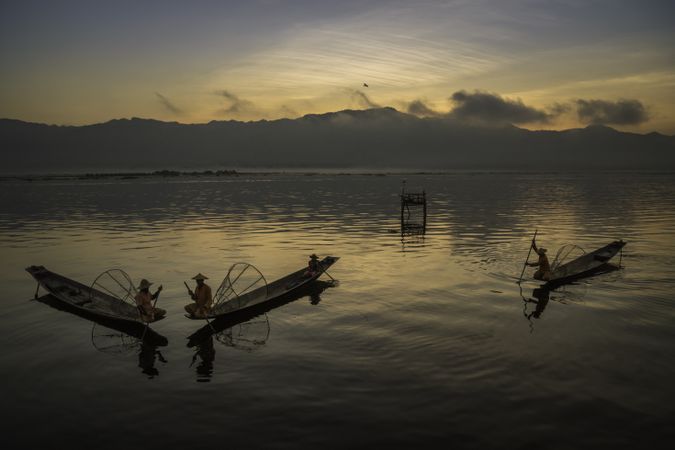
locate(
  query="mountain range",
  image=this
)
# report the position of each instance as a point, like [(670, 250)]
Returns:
[(381, 138)]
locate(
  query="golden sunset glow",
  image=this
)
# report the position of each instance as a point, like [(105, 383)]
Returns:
[(276, 59)]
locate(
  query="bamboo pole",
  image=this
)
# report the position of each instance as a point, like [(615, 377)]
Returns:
[(528, 256)]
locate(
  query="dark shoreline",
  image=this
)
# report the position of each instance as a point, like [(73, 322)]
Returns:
[(124, 175)]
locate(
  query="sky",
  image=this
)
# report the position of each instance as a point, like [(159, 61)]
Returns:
[(553, 64)]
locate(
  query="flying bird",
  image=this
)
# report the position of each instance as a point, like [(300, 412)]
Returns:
[(365, 85)]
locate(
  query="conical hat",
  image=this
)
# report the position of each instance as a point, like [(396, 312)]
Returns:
[(199, 276)]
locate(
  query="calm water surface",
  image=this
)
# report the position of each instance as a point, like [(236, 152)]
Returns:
[(425, 341)]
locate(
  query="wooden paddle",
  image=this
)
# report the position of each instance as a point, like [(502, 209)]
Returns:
[(528, 256), (157, 295), (147, 324), (189, 290)]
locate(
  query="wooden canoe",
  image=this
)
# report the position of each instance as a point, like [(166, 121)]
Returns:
[(587, 264), (230, 320), (134, 329), (85, 298), (272, 291)]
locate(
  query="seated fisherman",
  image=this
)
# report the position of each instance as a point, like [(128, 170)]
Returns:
[(313, 267), (144, 301), (201, 307), (544, 271)]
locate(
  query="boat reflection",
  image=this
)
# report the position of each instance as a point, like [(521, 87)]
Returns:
[(599, 270), (118, 338), (246, 330), (560, 292)]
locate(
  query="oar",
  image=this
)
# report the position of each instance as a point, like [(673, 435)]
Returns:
[(157, 298), (147, 324), (188, 288), (528, 257), (329, 276)]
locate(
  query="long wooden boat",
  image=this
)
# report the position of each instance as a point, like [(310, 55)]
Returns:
[(85, 298), (230, 320), (269, 292), (134, 329), (585, 265)]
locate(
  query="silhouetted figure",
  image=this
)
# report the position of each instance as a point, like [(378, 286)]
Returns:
[(147, 357), (201, 296), (144, 301), (207, 353), (313, 267), (544, 271)]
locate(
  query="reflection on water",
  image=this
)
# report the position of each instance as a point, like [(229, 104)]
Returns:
[(248, 336), (246, 330), (206, 353), (571, 291), (118, 338), (422, 333), (147, 357)]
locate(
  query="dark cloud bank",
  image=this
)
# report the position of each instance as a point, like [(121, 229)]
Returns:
[(380, 138), (486, 108), (622, 112)]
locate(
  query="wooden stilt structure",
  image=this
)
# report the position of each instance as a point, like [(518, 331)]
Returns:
[(411, 223)]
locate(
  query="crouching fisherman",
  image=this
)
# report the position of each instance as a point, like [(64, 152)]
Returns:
[(313, 267), (149, 313), (201, 307)]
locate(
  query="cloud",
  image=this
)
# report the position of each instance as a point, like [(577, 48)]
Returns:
[(363, 100), (420, 109), (557, 109), (492, 108), (168, 104), (622, 112), (237, 105)]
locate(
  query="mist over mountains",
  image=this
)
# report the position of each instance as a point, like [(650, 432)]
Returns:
[(381, 138)]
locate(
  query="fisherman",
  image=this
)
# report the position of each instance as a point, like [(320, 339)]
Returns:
[(149, 313), (313, 267), (544, 271), (201, 307)]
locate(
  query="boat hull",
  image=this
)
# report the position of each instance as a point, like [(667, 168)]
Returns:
[(230, 320), (274, 290), (85, 298), (136, 330), (591, 263)]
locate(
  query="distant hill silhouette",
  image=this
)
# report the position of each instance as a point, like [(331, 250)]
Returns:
[(380, 138)]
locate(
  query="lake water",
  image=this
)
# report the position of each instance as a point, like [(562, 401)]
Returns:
[(425, 341)]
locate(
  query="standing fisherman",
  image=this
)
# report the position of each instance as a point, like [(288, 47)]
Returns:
[(144, 301), (201, 296), (544, 271)]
